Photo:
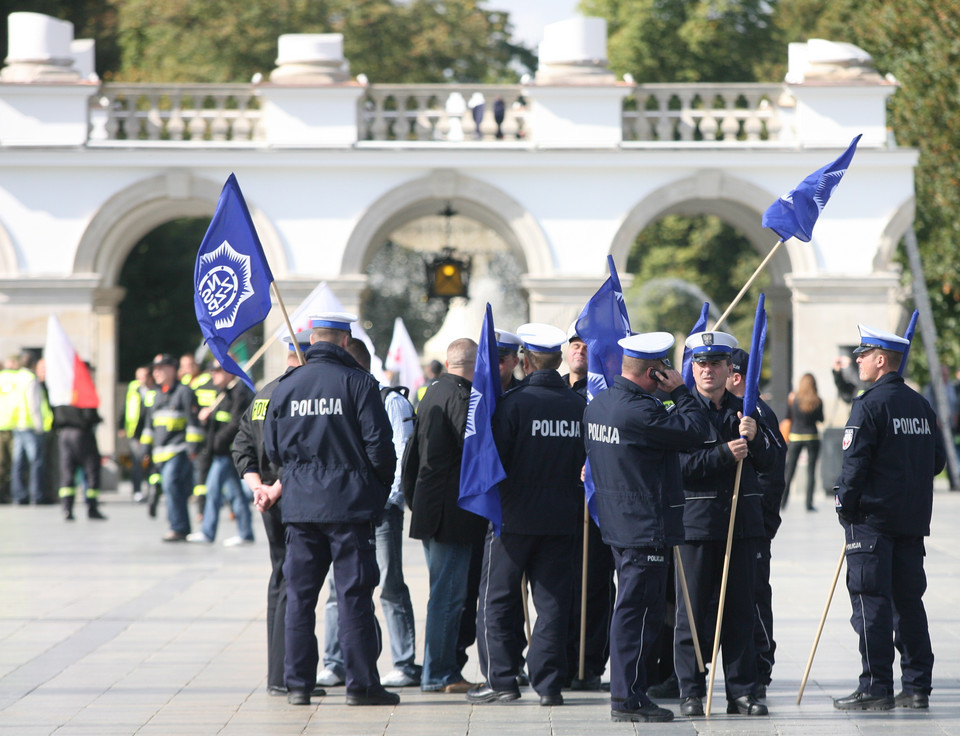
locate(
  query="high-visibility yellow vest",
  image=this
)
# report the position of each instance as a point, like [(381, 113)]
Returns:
[(9, 399), (132, 407)]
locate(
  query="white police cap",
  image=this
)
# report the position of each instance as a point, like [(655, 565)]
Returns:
[(871, 338), (707, 346), (507, 342), (303, 340), (647, 345), (333, 320), (572, 332), (541, 338)]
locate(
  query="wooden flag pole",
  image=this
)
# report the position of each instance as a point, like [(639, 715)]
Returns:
[(686, 601), (723, 584), (286, 319), (823, 619), (583, 590), (746, 286)]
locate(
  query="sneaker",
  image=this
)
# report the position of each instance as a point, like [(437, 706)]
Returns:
[(399, 678), (236, 541), (173, 536), (328, 678), (199, 538), (138, 497)]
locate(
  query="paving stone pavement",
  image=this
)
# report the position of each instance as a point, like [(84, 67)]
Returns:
[(105, 630)]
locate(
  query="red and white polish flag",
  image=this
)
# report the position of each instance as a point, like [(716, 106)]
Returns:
[(68, 379)]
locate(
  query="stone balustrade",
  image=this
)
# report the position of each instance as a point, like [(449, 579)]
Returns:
[(709, 113)]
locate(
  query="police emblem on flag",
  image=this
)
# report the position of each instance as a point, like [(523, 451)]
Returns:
[(847, 437), (224, 283)]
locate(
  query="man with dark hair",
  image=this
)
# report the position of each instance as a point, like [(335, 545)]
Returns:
[(326, 426), (431, 487), (891, 452)]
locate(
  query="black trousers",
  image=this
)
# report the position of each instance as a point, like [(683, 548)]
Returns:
[(763, 624), (546, 562), (601, 593), (703, 567), (352, 549), (637, 620), (78, 449), (886, 582), (276, 595)]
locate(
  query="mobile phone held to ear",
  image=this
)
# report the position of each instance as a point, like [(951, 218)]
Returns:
[(657, 375)]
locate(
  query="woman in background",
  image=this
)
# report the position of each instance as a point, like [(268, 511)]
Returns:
[(805, 409)]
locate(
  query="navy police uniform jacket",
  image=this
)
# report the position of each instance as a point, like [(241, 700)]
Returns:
[(326, 426), (632, 443), (537, 430), (892, 450), (772, 481), (709, 473)]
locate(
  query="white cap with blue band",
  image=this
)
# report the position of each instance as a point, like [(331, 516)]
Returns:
[(541, 338), (647, 345), (871, 339), (333, 320), (710, 346)]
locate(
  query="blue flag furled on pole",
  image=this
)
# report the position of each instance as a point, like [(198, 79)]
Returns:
[(752, 388), (602, 323), (686, 370), (231, 279), (795, 213), (908, 336), (481, 470)]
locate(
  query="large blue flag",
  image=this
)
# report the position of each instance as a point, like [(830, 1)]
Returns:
[(752, 389), (908, 336), (231, 279), (686, 370), (481, 470), (602, 323), (795, 213)]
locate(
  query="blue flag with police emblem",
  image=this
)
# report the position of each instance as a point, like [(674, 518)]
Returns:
[(686, 369), (601, 325), (481, 470), (231, 278), (908, 336), (751, 390), (796, 212)]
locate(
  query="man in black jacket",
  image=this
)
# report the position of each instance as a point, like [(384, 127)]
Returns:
[(448, 533), (891, 452), (77, 446), (326, 426)]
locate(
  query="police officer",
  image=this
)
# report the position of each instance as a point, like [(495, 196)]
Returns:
[(263, 478), (508, 347), (541, 503), (326, 426), (891, 453), (709, 473), (773, 483), (632, 443)]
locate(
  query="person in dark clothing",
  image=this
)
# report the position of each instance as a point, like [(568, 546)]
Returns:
[(805, 411), (327, 428), (431, 487), (77, 445), (892, 450)]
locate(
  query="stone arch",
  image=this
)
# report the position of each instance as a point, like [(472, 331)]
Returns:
[(734, 200), (8, 254), (139, 208), (895, 229), (470, 197)]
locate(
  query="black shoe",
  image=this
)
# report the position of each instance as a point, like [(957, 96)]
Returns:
[(587, 684), (298, 697), (864, 701), (93, 512), (692, 706), (373, 696), (746, 705), (912, 700), (760, 692), (551, 699), (649, 713), (276, 690), (318, 692), (486, 694), (523, 680), (669, 688)]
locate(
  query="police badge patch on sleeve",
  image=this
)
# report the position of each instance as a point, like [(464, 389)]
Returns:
[(847, 437)]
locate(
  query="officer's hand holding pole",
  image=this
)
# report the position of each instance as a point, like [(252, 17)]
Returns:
[(748, 427)]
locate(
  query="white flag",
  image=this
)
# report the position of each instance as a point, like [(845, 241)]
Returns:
[(322, 299), (402, 358)]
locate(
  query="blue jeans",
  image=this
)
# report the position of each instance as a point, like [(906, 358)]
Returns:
[(27, 449), (223, 476), (394, 600), (176, 479), (447, 565)]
